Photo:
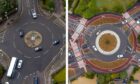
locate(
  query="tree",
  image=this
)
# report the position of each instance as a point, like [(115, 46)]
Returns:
[(6, 6), (138, 38), (1, 71)]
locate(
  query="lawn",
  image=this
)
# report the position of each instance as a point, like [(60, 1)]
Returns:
[(89, 8), (59, 77)]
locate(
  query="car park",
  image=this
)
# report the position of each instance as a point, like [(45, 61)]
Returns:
[(19, 65), (37, 49), (56, 42), (21, 33), (34, 14)]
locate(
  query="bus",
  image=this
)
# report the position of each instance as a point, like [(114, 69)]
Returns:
[(12, 67)]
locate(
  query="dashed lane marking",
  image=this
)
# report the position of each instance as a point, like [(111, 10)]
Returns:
[(37, 57), (18, 75)]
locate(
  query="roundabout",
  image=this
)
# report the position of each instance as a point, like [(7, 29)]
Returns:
[(105, 42), (39, 32)]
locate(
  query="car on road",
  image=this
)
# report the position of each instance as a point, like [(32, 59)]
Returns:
[(6, 83), (19, 65), (35, 80), (120, 56), (34, 14), (21, 33), (56, 42), (98, 32), (94, 47), (37, 49)]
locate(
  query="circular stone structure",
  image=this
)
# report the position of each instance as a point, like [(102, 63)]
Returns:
[(33, 39), (107, 42)]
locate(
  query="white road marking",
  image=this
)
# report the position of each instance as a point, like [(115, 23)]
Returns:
[(45, 52), (27, 57), (37, 57), (18, 75), (18, 51)]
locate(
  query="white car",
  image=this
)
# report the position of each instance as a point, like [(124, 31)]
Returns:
[(123, 22), (19, 65), (98, 32), (34, 13), (139, 60), (6, 82), (94, 47), (120, 56)]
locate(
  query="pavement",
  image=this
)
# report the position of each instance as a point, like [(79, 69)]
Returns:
[(13, 45)]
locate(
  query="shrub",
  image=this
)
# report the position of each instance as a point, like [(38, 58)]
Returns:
[(89, 75)]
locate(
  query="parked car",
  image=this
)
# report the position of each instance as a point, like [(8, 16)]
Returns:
[(19, 65), (37, 49), (56, 42), (34, 14), (21, 33), (36, 80)]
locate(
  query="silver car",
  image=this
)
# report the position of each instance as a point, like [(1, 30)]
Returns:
[(34, 14), (20, 62)]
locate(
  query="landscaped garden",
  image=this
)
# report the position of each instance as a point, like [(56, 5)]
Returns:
[(7, 8), (89, 8), (108, 65), (59, 77), (108, 42)]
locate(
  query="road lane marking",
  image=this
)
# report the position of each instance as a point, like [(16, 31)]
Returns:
[(18, 51), (45, 52), (37, 57), (18, 75), (27, 57)]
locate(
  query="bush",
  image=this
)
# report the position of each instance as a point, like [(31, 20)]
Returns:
[(89, 75), (138, 38), (1, 71), (135, 69)]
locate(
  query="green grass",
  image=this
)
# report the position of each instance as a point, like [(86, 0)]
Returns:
[(89, 8), (59, 77)]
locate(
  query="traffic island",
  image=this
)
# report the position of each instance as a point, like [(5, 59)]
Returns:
[(33, 39), (4, 59), (108, 42)]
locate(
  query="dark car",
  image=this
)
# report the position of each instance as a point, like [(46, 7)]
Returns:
[(56, 42), (21, 33), (36, 80), (37, 49)]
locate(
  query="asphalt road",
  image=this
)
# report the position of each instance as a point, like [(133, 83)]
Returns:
[(13, 45)]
